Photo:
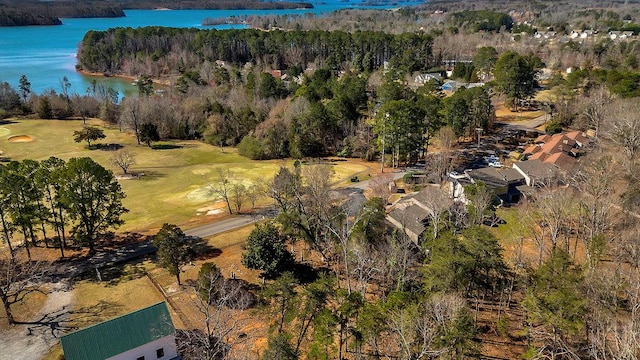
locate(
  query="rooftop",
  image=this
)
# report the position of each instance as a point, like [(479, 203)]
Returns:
[(118, 335), (579, 137), (558, 143), (536, 169), (411, 218), (493, 177), (561, 160)]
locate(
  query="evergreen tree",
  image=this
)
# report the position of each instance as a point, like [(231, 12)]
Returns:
[(266, 250), (174, 249), (93, 199)]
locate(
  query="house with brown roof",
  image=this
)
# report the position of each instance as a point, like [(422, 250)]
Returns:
[(579, 137), (559, 150)]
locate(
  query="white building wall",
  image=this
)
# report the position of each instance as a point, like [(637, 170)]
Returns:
[(528, 180), (168, 343)]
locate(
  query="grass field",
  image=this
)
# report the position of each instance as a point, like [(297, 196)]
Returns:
[(99, 301), (176, 178)]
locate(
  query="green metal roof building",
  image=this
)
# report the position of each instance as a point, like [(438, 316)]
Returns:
[(144, 334)]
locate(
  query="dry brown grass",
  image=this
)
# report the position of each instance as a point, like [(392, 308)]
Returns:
[(99, 301), (24, 310), (505, 114)]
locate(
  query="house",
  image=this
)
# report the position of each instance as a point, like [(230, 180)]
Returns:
[(545, 34), (453, 86), (559, 143), (412, 213), (276, 73), (144, 334), (559, 149), (579, 137), (425, 78), (410, 219), (536, 172), (620, 35), (502, 182), (582, 34)]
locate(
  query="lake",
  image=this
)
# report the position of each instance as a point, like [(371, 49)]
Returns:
[(45, 54)]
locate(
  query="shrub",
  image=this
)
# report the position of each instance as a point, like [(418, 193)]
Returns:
[(252, 148)]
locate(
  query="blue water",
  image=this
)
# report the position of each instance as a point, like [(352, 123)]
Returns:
[(46, 54)]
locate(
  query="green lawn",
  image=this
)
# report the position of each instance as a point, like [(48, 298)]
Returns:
[(175, 181)]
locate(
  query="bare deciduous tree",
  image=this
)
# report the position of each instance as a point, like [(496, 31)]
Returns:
[(417, 327), (379, 186), (131, 115), (401, 257), (438, 203), (552, 211), (17, 280), (594, 107), (222, 185), (594, 180), (443, 160), (623, 127), (123, 159), (222, 335), (238, 193)]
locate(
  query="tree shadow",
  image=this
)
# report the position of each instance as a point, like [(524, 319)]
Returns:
[(7, 122), (116, 274), (108, 147), (149, 175), (165, 146), (65, 320), (306, 274), (202, 250)]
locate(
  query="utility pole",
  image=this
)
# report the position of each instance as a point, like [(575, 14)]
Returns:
[(384, 134)]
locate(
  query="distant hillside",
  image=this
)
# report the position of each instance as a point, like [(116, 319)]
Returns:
[(35, 12), (31, 12), (18, 17), (212, 4)]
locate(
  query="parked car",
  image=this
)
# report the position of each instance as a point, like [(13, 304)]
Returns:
[(457, 175)]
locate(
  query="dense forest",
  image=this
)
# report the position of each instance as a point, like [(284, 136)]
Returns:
[(21, 13), (151, 49)]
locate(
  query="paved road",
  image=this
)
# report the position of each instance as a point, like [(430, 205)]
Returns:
[(222, 226), (363, 185), (354, 190)]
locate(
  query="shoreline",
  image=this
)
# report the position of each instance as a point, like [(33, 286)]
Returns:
[(161, 82)]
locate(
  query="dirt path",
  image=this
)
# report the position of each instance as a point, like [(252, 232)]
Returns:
[(31, 341)]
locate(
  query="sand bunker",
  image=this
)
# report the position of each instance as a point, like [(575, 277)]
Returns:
[(20, 138)]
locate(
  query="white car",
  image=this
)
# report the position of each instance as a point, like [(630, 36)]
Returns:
[(457, 175)]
